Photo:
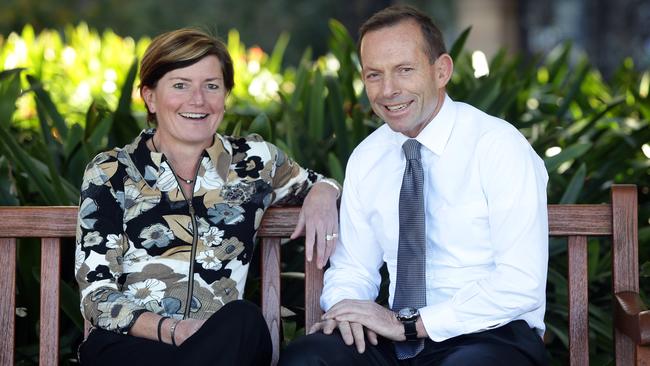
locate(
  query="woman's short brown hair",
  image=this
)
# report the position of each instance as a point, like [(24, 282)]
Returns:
[(181, 48)]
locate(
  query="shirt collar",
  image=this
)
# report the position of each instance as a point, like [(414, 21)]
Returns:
[(436, 133), (221, 155), (148, 162)]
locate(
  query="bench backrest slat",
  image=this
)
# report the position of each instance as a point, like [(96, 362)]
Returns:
[(50, 290), (7, 299), (270, 263), (578, 300), (38, 221), (625, 254)]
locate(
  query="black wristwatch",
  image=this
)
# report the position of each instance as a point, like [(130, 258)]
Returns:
[(408, 317)]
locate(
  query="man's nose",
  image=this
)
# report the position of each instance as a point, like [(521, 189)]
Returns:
[(390, 87)]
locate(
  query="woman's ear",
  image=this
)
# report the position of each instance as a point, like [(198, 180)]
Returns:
[(149, 98)]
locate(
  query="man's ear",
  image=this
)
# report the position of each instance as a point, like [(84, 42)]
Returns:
[(444, 68), (149, 98)]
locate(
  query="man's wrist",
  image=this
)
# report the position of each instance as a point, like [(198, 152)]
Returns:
[(408, 317)]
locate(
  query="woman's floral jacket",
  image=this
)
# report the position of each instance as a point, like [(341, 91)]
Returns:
[(141, 246)]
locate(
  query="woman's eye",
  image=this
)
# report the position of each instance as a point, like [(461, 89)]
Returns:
[(179, 86), (213, 86)]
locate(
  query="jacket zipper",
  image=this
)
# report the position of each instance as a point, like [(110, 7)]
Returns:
[(195, 236)]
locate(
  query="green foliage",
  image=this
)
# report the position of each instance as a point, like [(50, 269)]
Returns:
[(58, 111)]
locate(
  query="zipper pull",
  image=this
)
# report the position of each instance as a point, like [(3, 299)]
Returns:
[(191, 207)]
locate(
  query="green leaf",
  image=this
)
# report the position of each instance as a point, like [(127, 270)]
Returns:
[(572, 152), (558, 280), (45, 102), (600, 321), (275, 61), (59, 197), (337, 116), (7, 184), (458, 45), (645, 267), (583, 69), (99, 133), (124, 125), (562, 335), (70, 304), (47, 132), (485, 95), (559, 61), (9, 93), (237, 130), (575, 186), (338, 30), (593, 255), (335, 167), (261, 125), (317, 107), (301, 82), (74, 139), (28, 165)]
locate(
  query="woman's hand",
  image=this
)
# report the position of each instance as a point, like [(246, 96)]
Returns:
[(319, 219), (185, 329)]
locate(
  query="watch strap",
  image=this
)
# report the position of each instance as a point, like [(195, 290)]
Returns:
[(410, 331)]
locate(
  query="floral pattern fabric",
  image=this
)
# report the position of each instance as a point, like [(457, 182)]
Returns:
[(141, 246)]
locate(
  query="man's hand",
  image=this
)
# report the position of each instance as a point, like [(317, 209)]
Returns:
[(319, 219), (370, 315), (352, 333)]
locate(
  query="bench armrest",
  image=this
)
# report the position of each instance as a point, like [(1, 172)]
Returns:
[(632, 317)]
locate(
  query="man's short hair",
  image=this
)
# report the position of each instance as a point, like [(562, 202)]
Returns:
[(434, 44)]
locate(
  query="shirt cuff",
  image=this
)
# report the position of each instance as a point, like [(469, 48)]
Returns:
[(440, 322)]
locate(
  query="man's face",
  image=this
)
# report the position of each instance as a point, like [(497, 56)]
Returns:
[(403, 87)]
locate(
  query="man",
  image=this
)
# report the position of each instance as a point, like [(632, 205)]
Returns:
[(454, 201)]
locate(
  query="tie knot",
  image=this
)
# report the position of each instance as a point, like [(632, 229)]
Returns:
[(411, 149)]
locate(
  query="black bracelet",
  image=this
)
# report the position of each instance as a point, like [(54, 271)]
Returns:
[(162, 319)]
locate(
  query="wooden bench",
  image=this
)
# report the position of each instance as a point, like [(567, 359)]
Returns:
[(617, 220)]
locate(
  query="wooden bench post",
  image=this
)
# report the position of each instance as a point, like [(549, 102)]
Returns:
[(625, 263)]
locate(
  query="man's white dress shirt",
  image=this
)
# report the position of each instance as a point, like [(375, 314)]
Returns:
[(486, 223)]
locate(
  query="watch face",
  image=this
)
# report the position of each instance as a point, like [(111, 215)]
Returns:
[(408, 313)]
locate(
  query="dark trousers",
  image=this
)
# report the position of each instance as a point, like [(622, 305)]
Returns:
[(235, 335), (512, 344)]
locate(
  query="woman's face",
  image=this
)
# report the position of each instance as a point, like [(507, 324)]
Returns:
[(189, 103)]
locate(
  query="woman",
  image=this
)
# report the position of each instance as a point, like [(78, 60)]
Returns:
[(182, 202)]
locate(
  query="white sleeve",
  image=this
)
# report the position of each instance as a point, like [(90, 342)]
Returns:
[(514, 181), (354, 265)]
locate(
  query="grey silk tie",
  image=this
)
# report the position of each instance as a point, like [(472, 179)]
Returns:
[(411, 253)]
